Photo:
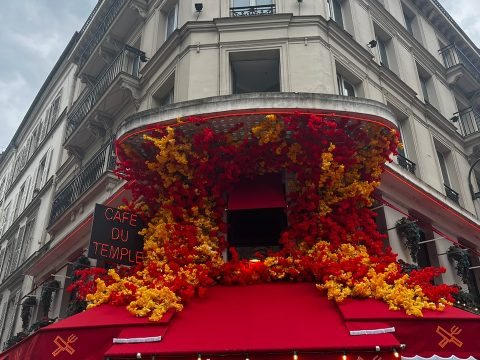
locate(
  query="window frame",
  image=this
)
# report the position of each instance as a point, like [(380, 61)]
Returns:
[(335, 9), (342, 90), (173, 9)]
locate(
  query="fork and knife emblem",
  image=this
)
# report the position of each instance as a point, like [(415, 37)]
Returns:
[(449, 336), (64, 345)]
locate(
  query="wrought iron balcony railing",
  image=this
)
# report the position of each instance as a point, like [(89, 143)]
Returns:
[(452, 56), (100, 30), (451, 194), (406, 164), (101, 162), (91, 16), (469, 121), (127, 61), (253, 10)]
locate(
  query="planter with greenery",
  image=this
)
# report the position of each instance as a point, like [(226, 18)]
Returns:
[(26, 313), (46, 297), (461, 261), (409, 231), (77, 305)]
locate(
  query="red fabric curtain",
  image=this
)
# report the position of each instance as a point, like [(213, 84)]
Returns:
[(261, 192)]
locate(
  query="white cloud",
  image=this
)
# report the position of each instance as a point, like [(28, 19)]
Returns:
[(33, 34), (12, 95), (467, 15)]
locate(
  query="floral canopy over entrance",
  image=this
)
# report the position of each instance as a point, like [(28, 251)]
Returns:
[(331, 164)]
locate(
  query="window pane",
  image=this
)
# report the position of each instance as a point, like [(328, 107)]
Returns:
[(171, 21), (337, 12), (423, 84), (241, 3), (264, 2), (443, 167), (383, 52), (408, 23), (348, 89)]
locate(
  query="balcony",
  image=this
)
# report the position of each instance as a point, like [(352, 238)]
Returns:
[(469, 121), (99, 30), (127, 62), (253, 10), (451, 194), (107, 28), (461, 71), (101, 162), (406, 164)]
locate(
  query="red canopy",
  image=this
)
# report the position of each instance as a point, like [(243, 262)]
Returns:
[(260, 320), (265, 321), (451, 332)]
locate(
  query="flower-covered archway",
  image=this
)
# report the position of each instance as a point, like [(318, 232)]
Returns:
[(179, 175)]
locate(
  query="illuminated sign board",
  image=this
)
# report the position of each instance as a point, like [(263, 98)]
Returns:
[(115, 236)]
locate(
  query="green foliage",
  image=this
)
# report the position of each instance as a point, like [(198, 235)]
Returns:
[(46, 296), (462, 262), (26, 313), (409, 231)]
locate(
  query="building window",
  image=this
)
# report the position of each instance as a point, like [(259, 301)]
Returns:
[(40, 170), (171, 21), (52, 112), (336, 13), (255, 71), (443, 168), (443, 160), (165, 95), (345, 87), (385, 51), (424, 87), (256, 215), (252, 7), (409, 17), (5, 219), (382, 52), (20, 200)]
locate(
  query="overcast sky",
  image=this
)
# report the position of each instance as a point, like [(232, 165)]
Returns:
[(33, 34)]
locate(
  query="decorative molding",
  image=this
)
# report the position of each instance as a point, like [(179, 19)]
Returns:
[(87, 79), (75, 152), (114, 42), (134, 92), (107, 55), (139, 8), (99, 124)]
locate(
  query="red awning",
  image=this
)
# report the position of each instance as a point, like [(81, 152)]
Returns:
[(261, 192), (260, 319), (85, 336), (451, 332)]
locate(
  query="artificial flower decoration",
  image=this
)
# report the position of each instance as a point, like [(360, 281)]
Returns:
[(331, 164)]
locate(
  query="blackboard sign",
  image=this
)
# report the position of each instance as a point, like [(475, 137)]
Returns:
[(115, 236)]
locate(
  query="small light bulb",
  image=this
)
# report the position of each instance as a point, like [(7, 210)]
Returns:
[(199, 357), (476, 309), (344, 356), (295, 355), (247, 357), (396, 354)]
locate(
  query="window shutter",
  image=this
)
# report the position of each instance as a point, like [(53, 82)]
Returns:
[(47, 166), (18, 248), (27, 239), (3, 312), (14, 315), (28, 192)]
